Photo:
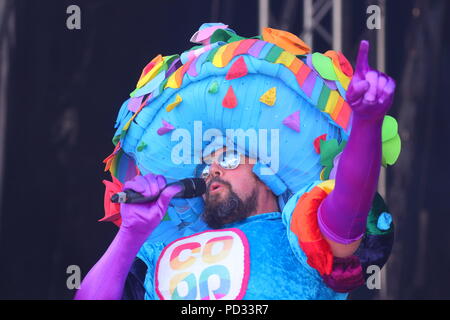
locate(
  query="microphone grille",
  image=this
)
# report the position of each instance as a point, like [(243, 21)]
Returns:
[(193, 187)]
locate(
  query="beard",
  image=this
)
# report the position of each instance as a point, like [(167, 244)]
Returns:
[(231, 208)]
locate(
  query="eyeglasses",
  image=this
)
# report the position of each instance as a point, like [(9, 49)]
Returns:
[(228, 160)]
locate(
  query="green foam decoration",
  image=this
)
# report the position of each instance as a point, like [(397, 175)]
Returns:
[(327, 152), (166, 217), (141, 146), (323, 99), (329, 149), (132, 94), (327, 172), (116, 139), (391, 150), (213, 87), (273, 54), (221, 35), (324, 66), (389, 129), (212, 54), (378, 207)]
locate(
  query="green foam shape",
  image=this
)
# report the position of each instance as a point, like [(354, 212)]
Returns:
[(213, 87), (389, 129), (141, 146), (391, 150), (324, 66)]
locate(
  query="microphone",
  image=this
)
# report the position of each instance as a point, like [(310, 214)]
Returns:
[(190, 188)]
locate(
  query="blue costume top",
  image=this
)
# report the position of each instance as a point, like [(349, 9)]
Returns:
[(276, 269), (256, 258)]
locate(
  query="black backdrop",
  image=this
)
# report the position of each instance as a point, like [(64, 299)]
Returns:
[(65, 88)]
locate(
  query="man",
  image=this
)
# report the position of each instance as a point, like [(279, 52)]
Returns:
[(253, 249)]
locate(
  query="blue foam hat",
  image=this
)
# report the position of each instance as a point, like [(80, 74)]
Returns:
[(252, 86)]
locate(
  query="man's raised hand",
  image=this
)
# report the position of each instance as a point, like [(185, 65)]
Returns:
[(371, 92)]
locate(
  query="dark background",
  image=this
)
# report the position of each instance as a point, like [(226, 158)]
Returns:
[(65, 87)]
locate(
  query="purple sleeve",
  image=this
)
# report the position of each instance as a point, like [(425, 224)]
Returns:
[(106, 280), (343, 214)]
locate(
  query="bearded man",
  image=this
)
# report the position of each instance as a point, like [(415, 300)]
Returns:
[(313, 247)]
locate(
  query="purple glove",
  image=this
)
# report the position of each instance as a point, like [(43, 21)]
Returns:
[(343, 214), (106, 279), (143, 218)]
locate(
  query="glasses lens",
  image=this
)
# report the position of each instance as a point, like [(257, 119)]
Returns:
[(205, 172), (230, 160)]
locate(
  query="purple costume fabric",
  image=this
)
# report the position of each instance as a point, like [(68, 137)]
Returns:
[(106, 279), (343, 214)]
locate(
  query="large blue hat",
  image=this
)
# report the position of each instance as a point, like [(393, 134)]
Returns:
[(270, 86)]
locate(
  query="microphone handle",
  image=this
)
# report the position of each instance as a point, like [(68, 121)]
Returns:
[(131, 196)]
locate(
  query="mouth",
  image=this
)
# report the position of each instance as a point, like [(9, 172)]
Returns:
[(215, 186)]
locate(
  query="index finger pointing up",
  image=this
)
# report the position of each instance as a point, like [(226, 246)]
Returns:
[(362, 61)]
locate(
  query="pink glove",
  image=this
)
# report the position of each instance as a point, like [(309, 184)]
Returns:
[(106, 279), (343, 214)]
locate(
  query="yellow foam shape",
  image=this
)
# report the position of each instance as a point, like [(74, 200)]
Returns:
[(321, 174), (150, 75), (172, 81), (332, 101), (327, 185), (285, 58), (177, 101), (269, 97), (217, 60), (343, 79), (127, 125)]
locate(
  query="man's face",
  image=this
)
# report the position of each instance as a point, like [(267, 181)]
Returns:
[(231, 194)]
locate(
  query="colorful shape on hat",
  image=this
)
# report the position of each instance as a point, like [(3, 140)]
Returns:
[(317, 142), (391, 142), (205, 32), (150, 70), (167, 127), (237, 70), (340, 62), (141, 146), (213, 87), (346, 66), (384, 221), (112, 210), (269, 97), (177, 101), (109, 159), (324, 66), (285, 40), (391, 150), (230, 100), (134, 103), (293, 121), (389, 129)]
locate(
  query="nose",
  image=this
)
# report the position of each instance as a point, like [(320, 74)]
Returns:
[(216, 170)]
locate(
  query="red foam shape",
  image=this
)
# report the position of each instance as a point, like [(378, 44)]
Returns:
[(230, 100), (237, 70), (317, 142)]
